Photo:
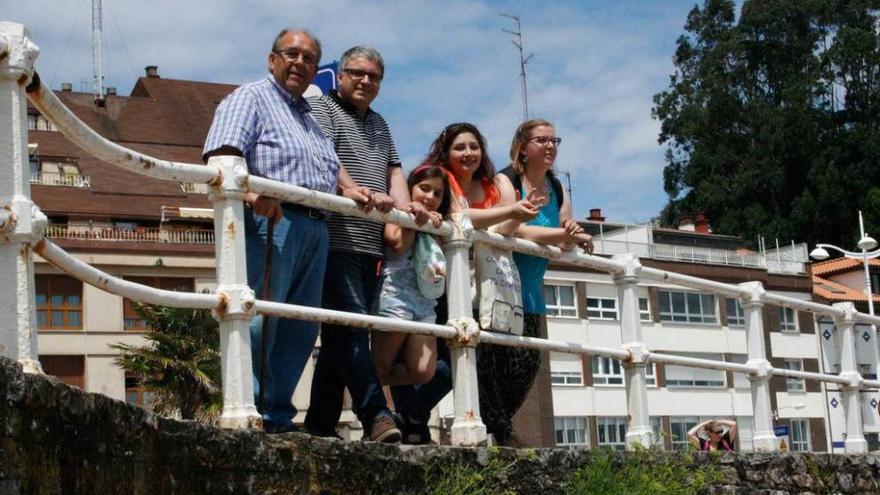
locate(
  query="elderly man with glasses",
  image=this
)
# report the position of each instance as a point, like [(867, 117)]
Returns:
[(270, 124), (364, 144)]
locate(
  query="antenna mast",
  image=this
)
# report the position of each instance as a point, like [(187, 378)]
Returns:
[(518, 43), (97, 34)]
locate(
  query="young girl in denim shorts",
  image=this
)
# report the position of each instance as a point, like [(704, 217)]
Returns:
[(406, 359)]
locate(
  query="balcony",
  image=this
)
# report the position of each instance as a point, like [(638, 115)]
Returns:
[(786, 263), (138, 234), (65, 180)]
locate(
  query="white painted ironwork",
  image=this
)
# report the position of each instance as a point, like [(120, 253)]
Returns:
[(239, 410), (639, 430), (234, 304), (22, 220), (855, 442), (763, 437), (467, 427)]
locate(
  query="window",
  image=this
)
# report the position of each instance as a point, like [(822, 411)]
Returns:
[(135, 394), (875, 283), (57, 171), (800, 435), (59, 302), (133, 321), (683, 376), (566, 378), (794, 384), (787, 321), (37, 122), (571, 431), (559, 300), (612, 432), (736, 317), (687, 307), (601, 308), (679, 426), (644, 311), (609, 371)]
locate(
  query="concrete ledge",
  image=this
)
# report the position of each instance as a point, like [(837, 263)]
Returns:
[(59, 439)]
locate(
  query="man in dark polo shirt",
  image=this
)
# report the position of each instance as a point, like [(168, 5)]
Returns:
[(363, 142)]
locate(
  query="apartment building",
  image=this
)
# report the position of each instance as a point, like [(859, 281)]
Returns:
[(588, 396)]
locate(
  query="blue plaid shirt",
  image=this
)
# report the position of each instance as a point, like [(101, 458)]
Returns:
[(277, 136)]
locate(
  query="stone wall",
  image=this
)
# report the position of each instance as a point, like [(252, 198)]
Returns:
[(59, 439)]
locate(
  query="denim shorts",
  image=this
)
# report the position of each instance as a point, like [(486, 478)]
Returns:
[(399, 297)]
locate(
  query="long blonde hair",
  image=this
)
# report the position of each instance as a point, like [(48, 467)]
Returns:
[(520, 139)]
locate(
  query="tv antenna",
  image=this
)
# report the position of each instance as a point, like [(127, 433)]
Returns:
[(518, 43), (97, 52)]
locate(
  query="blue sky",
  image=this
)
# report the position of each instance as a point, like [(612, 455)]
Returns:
[(595, 68)]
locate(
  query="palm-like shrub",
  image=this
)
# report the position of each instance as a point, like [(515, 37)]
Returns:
[(180, 366)]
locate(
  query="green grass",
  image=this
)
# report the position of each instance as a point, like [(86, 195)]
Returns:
[(641, 472)]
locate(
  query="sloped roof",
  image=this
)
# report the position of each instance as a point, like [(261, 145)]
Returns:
[(165, 118), (840, 265), (835, 291)]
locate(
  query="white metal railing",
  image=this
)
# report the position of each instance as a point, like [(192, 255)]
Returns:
[(67, 180), (137, 234), (22, 226)]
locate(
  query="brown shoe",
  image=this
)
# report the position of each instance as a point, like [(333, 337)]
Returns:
[(384, 430)]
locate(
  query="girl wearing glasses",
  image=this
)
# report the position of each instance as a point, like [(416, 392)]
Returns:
[(506, 374)]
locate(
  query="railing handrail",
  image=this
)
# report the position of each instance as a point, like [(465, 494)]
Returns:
[(235, 303)]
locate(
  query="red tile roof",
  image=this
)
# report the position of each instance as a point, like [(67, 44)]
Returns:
[(840, 265), (834, 291), (165, 118)]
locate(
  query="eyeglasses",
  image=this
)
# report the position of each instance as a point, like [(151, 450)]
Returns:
[(544, 140), (359, 74), (292, 55)]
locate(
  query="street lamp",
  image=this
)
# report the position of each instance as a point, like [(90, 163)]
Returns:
[(866, 244)]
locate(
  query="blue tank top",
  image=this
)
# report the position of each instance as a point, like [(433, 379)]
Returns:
[(532, 268)]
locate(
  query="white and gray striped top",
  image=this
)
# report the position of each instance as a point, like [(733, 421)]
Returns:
[(366, 149)]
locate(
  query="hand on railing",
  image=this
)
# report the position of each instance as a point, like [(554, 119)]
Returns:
[(379, 201), (421, 215), (264, 206), (575, 236)]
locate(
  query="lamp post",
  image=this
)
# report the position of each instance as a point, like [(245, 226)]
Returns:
[(866, 244)]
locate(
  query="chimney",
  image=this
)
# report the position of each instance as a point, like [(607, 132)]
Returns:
[(67, 87), (596, 215), (111, 90), (686, 223), (152, 71), (701, 224)]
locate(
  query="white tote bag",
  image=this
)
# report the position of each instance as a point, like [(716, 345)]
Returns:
[(499, 290)]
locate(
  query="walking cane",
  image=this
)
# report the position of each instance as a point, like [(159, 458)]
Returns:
[(264, 337)]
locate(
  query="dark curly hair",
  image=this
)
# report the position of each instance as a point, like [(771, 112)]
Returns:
[(439, 154)]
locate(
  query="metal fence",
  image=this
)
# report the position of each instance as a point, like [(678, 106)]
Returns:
[(22, 227)]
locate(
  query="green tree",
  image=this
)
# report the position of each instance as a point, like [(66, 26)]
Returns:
[(771, 120), (180, 365)]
